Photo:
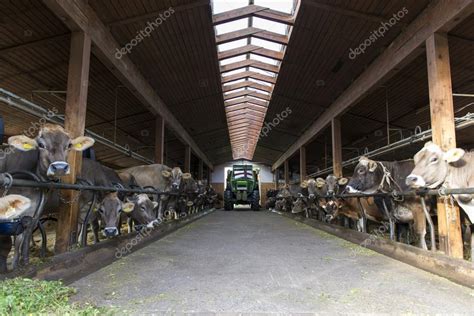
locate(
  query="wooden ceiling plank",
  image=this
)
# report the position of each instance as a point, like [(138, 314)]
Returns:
[(441, 16), (236, 14), (79, 16)]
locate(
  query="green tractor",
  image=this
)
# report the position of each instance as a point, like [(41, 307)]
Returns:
[(242, 187)]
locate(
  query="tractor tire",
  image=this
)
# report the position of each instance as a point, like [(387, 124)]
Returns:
[(228, 205), (254, 202)]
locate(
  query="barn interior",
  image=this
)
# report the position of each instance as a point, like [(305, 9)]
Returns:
[(302, 89)]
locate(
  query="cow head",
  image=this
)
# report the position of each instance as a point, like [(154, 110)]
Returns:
[(53, 144), (284, 192), (431, 166), (175, 177), (315, 187), (366, 177), (109, 210), (334, 184), (13, 205), (142, 213)]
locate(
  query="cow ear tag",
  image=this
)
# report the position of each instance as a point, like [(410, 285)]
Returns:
[(78, 145), (27, 146), (453, 155), (128, 207)]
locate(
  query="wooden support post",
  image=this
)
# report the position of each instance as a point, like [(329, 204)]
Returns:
[(75, 119), (187, 159), (201, 170), (286, 171), (443, 134), (159, 139), (302, 163), (336, 147)]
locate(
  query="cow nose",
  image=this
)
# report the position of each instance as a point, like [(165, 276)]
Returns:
[(58, 168), (175, 185), (110, 231), (411, 179)]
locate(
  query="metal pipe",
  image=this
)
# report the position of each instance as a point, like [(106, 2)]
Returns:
[(463, 95), (38, 111), (78, 187), (460, 123)]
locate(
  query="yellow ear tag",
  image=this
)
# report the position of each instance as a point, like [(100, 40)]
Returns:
[(95, 209), (78, 145), (128, 208), (27, 146)]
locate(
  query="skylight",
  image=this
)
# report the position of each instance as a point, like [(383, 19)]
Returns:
[(245, 33)]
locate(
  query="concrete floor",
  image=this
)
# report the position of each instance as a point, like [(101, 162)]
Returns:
[(254, 262)]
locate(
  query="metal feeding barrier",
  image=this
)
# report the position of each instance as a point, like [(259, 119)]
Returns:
[(6, 181), (399, 196)]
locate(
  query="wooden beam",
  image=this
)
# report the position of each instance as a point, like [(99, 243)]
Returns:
[(231, 108), (74, 123), (153, 15), (236, 14), (286, 172), (249, 74), (336, 147), (440, 16), (252, 93), (302, 164), (253, 49), (252, 32), (159, 139), (245, 84), (275, 16), (253, 10), (443, 134), (249, 63), (187, 158), (79, 16), (247, 99)]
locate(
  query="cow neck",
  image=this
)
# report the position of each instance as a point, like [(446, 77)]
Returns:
[(388, 182)]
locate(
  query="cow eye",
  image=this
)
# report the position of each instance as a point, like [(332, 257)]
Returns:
[(41, 145), (143, 208), (434, 159), (360, 171), (69, 146)]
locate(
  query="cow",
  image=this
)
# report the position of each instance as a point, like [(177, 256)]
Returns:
[(451, 169), (311, 200), (162, 178), (284, 199), (111, 206), (389, 176), (271, 198), (358, 210), (45, 156)]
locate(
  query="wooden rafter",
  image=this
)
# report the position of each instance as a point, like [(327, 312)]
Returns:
[(249, 74), (245, 84), (254, 32), (249, 63), (442, 16), (80, 16), (253, 49), (253, 10), (246, 100)]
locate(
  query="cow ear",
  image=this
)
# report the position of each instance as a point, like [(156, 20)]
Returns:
[(372, 166), (187, 176), (342, 181), (128, 207), (13, 205), (166, 173), (453, 155), (22, 142), (155, 204), (82, 143), (304, 184)]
